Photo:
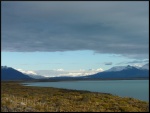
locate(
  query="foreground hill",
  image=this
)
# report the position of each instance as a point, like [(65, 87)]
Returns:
[(18, 98), (8, 73)]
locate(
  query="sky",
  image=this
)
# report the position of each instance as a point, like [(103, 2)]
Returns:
[(56, 38)]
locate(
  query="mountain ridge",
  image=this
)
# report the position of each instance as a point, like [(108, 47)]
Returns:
[(8, 73), (117, 72), (127, 72)]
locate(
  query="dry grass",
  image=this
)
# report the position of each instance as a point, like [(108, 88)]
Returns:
[(18, 98)]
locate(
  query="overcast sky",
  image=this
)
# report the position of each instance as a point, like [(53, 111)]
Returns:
[(96, 28)]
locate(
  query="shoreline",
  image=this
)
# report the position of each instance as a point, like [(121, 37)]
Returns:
[(99, 90), (36, 98), (74, 79)]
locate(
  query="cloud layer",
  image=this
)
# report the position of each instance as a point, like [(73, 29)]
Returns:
[(26, 72), (104, 27), (134, 62), (61, 72)]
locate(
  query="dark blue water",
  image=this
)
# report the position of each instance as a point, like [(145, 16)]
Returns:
[(138, 89)]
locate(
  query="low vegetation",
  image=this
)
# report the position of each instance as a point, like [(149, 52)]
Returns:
[(18, 98)]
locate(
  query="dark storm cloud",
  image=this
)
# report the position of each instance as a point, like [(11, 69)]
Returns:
[(139, 61), (104, 27), (108, 63), (135, 61)]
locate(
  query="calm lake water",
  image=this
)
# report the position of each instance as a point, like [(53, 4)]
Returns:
[(138, 89)]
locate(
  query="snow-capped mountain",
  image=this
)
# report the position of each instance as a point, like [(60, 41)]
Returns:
[(146, 66), (4, 67), (36, 76), (117, 72), (116, 68), (122, 72), (119, 68), (130, 67), (31, 74)]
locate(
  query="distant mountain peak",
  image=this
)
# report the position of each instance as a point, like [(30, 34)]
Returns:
[(120, 68), (130, 67), (4, 67), (122, 72), (146, 66), (116, 68), (8, 73)]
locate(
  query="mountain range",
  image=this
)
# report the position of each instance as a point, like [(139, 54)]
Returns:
[(126, 72), (117, 72), (119, 68)]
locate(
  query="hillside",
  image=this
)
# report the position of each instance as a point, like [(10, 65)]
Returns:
[(15, 97), (8, 73), (129, 72)]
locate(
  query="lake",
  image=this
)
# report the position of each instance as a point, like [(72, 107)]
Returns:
[(138, 89)]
